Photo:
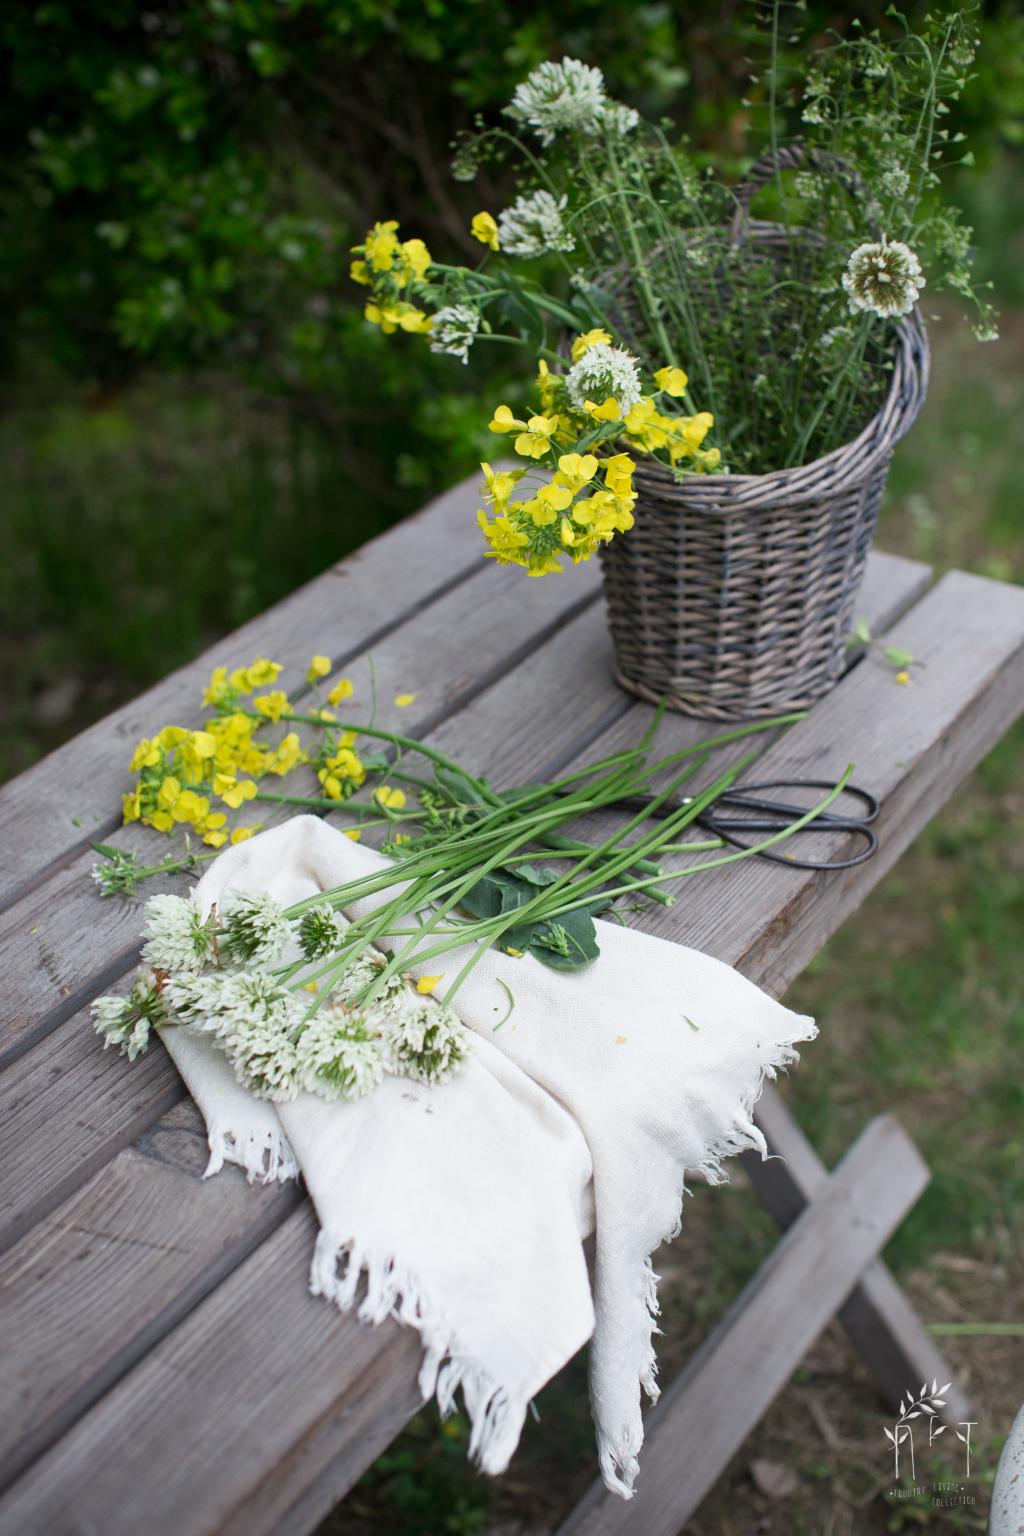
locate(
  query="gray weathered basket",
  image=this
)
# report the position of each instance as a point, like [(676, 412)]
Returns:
[(733, 595)]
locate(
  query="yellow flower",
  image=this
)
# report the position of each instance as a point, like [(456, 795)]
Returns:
[(318, 668), (589, 339), (903, 677), (233, 792), (548, 502), (131, 806), (426, 984), (575, 470), (242, 834), (288, 755), (484, 229), (381, 245), (608, 410), (547, 385), (359, 272), (536, 440), (273, 705), (388, 798), (618, 474), (403, 700), (219, 689), (400, 837), (415, 258), (392, 317), (263, 672), (203, 744), (500, 485), (216, 839), (672, 381), (355, 833), (146, 755), (504, 421), (309, 986), (163, 821), (169, 792), (342, 689), (505, 540)]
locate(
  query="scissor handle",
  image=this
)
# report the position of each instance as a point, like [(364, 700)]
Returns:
[(743, 796), (860, 828)]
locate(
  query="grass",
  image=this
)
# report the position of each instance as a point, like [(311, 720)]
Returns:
[(138, 527)]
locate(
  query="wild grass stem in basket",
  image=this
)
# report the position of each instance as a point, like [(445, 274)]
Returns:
[(674, 314), (302, 997)]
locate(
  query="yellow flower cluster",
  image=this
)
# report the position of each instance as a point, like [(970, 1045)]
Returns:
[(388, 266), (569, 516), (182, 773), (585, 495), (341, 770)]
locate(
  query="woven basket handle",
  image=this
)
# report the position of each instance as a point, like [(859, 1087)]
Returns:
[(790, 157)]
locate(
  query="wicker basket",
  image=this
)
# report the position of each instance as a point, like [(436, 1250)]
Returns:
[(733, 596)]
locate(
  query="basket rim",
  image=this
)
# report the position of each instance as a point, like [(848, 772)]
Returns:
[(846, 465)]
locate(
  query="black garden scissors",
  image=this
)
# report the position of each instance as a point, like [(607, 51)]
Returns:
[(758, 814)]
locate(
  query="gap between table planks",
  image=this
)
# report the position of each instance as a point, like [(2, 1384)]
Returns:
[(895, 582), (966, 716)]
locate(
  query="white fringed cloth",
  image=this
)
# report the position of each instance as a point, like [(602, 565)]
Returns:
[(466, 1206)]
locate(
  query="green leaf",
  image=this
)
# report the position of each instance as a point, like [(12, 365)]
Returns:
[(898, 655), (861, 632)]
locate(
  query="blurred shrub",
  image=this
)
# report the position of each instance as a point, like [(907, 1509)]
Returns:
[(184, 181)]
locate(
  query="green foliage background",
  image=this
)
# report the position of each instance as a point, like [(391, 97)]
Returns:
[(197, 416)]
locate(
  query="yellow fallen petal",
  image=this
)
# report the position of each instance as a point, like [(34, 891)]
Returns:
[(355, 833), (903, 677), (403, 700), (310, 986), (518, 953), (426, 984)]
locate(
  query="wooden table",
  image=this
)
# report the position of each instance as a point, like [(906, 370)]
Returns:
[(141, 1390)]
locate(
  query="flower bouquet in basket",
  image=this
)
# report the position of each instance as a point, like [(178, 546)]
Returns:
[(723, 371)]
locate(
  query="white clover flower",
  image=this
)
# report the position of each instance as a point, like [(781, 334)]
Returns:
[(126, 1021), (254, 928), (253, 1020), (534, 225), (453, 331), (265, 1059), (619, 119), (321, 931), (883, 278), (424, 1040), (603, 373), (179, 937), (896, 181), (341, 1055), (555, 98)]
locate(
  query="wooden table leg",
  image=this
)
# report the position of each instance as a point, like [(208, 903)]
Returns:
[(714, 1403), (877, 1316)]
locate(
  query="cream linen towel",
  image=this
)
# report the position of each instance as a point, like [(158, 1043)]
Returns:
[(466, 1205)]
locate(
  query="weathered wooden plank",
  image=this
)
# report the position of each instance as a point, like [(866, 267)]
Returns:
[(59, 804), (52, 1289), (237, 1465), (877, 1316), (710, 1408), (513, 730), (62, 945), (529, 718)]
